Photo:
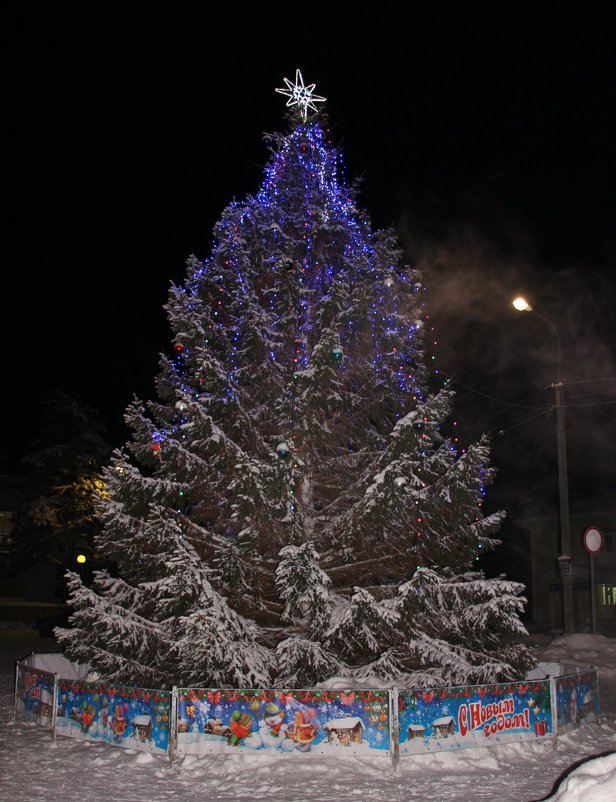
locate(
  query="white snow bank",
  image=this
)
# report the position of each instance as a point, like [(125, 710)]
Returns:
[(546, 670), (593, 781), (58, 664), (584, 650)]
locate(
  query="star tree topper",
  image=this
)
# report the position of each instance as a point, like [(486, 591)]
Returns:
[(300, 95)]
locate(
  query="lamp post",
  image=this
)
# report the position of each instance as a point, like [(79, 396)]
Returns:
[(564, 559)]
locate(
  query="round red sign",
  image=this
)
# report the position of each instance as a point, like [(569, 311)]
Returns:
[(593, 540)]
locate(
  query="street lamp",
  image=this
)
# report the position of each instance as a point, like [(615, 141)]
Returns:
[(564, 560)]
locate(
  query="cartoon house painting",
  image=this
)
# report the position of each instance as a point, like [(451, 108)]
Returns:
[(442, 727), (587, 708), (44, 706), (215, 730), (347, 730), (415, 731), (142, 728)]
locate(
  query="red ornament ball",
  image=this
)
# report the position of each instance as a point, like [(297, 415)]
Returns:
[(304, 147), (178, 348), (155, 447)]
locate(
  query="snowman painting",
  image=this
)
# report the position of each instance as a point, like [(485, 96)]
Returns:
[(273, 729)]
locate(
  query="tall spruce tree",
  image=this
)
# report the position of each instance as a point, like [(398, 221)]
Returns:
[(291, 506)]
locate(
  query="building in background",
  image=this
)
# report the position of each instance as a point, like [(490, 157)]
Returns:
[(546, 611)]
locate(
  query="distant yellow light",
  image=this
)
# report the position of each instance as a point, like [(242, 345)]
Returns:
[(81, 558)]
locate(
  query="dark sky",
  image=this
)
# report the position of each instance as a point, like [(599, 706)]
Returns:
[(484, 130)]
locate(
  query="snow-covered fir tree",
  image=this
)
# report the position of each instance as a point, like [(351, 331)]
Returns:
[(291, 507)]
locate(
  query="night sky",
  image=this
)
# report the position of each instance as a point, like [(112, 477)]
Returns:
[(484, 131)]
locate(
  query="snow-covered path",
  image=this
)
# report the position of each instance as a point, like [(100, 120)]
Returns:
[(33, 767)]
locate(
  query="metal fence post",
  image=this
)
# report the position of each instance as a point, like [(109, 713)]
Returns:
[(54, 707), (173, 725), (395, 727)]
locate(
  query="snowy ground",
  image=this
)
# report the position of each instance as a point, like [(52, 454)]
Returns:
[(35, 768)]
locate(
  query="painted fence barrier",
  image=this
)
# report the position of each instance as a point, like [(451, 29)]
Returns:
[(283, 721), (132, 718), (439, 719), (577, 700), (35, 683), (394, 723), (34, 695)]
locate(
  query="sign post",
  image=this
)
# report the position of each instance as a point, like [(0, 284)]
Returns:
[(593, 543)]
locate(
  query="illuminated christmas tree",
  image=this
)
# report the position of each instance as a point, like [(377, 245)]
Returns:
[(293, 505)]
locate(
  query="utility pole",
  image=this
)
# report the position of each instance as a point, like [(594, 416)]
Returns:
[(564, 560)]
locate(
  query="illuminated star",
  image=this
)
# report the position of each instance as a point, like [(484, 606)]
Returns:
[(300, 95)]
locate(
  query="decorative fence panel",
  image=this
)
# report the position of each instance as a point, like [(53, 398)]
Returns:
[(283, 721), (132, 718), (577, 700), (394, 723), (34, 694), (439, 719)]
